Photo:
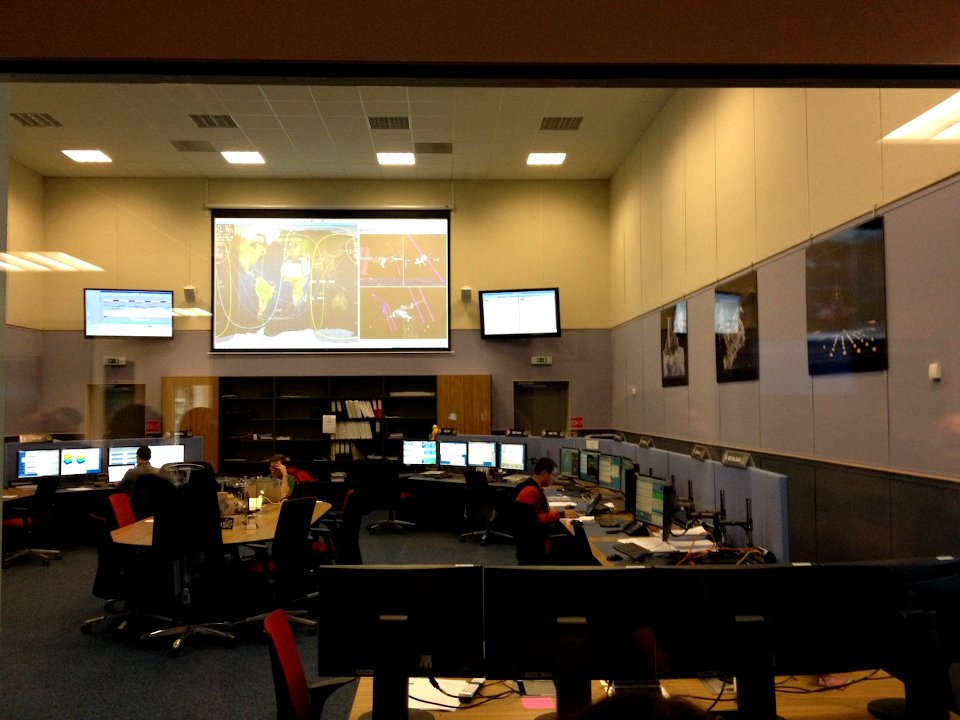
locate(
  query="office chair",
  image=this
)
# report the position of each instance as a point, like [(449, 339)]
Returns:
[(31, 522), (346, 536), (108, 583), (288, 567), (296, 700), (187, 538), (122, 509), (581, 551), (382, 480), (480, 507)]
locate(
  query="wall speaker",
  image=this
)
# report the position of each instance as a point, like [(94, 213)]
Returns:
[(465, 294), (190, 293)]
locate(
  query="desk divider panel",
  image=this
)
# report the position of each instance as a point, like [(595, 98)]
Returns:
[(687, 472), (657, 460), (771, 512)]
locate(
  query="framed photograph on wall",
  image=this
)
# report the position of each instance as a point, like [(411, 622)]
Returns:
[(846, 302), (673, 341), (736, 329)]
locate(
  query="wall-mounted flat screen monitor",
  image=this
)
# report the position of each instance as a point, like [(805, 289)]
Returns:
[(37, 463), (569, 462), (127, 313), (520, 313), (649, 494), (80, 461), (590, 466), (513, 456), (122, 455), (160, 455), (330, 280), (419, 452), (482, 453), (452, 453), (115, 473), (610, 472)]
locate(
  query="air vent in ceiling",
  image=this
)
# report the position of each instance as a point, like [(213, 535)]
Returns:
[(213, 121), (399, 122), (426, 148), (36, 120), (193, 146), (561, 123)]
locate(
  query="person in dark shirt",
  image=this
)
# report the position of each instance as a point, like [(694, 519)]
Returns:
[(143, 467), (534, 520)]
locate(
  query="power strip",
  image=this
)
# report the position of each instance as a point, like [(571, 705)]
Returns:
[(470, 689)]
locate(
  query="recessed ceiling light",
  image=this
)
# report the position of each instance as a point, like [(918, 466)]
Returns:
[(44, 261), (932, 124), (396, 158), (237, 157), (546, 158), (87, 156)]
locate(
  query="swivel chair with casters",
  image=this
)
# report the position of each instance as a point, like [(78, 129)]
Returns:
[(296, 699), (287, 568), (346, 536), (380, 480), (480, 507), (31, 523), (187, 538)]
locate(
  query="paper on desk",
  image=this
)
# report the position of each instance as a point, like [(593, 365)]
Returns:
[(561, 503), (682, 543), (424, 696), (586, 518)]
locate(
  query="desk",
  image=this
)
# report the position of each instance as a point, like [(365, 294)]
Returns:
[(262, 527), (848, 703)]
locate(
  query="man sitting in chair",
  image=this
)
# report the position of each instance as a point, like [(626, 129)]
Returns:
[(535, 524)]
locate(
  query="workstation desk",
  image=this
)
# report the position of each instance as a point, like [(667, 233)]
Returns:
[(805, 699)]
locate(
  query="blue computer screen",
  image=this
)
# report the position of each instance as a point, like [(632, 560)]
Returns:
[(80, 461), (611, 472), (482, 453), (649, 507), (452, 453), (419, 452), (569, 462), (37, 463), (513, 456), (590, 466)]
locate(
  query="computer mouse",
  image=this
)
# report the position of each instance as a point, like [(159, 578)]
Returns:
[(613, 532), (614, 558)]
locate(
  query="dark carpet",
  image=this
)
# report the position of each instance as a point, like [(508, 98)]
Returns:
[(50, 670)]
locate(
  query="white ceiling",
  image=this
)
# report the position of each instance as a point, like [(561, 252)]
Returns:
[(323, 131)]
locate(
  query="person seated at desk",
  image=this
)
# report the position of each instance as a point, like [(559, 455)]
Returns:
[(143, 467), (535, 524), (278, 471)]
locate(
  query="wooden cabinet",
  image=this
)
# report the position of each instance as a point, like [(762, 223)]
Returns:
[(464, 403), (192, 405)]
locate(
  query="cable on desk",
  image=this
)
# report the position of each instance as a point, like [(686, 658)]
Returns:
[(794, 690)]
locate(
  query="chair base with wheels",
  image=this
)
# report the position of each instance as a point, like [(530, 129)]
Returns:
[(485, 535), (391, 523), (184, 632), (43, 555)]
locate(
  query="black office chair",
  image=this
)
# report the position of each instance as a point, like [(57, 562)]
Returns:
[(581, 552), (380, 482), (187, 537), (480, 507), (31, 523), (287, 569), (528, 534)]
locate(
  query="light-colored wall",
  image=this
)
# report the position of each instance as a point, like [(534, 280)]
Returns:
[(726, 179), (156, 234)]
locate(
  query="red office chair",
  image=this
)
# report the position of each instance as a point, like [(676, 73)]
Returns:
[(122, 509), (296, 700)]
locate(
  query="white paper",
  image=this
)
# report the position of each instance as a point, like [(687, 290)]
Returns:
[(329, 424)]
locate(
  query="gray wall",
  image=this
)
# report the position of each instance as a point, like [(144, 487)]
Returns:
[(47, 372)]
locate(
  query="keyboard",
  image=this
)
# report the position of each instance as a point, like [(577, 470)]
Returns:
[(631, 550)]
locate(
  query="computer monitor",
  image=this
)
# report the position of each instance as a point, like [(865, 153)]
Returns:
[(37, 463), (122, 455), (513, 457), (649, 500), (160, 455), (395, 622), (80, 461), (419, 452), (590, 466), (482, 453), (452, 453), (611, 472), (115, 473), (569, 462)]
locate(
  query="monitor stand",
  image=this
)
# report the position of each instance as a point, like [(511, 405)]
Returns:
[(390, 699)]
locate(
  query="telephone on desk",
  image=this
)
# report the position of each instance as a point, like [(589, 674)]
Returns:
[(635, 528)]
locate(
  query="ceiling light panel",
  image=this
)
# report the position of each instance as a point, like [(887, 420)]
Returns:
[(87, 156)]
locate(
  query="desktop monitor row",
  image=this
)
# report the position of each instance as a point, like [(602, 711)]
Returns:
[(593, 466), (466, 453), (46, 462)]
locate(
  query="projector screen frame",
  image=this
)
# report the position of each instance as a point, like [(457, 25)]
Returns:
[(415, 313)]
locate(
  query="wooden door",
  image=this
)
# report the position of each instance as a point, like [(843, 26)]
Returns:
[(192, 404), (464, 403)]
